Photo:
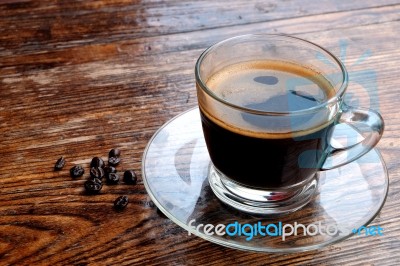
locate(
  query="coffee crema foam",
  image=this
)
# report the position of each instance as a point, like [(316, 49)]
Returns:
[(271, 86)]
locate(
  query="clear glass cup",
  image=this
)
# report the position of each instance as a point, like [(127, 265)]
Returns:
[(266, 155)]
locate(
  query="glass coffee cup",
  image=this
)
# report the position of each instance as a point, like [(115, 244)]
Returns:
[(268, 106)]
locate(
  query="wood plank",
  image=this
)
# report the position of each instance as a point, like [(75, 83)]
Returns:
[(144, 46), (74, 23)]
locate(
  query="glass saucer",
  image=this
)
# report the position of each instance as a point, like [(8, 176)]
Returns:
[(175, 166)]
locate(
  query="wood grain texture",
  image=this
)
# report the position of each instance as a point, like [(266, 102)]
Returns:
[(78, 78)]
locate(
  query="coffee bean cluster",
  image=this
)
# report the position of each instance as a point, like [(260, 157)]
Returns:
[(99, 171)]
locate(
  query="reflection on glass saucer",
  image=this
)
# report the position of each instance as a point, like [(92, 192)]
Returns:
[(175, 166)]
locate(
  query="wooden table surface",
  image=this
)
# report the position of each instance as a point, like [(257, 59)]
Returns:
[(78, 78)]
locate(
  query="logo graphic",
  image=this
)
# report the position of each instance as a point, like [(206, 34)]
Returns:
[(279, 229), (362, 92)]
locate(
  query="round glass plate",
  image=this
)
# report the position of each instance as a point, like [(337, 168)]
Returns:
[(175, 167)]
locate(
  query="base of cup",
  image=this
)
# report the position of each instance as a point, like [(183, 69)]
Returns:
[(260, 202)]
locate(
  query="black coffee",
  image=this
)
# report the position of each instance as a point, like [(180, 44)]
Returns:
[(264, 152)]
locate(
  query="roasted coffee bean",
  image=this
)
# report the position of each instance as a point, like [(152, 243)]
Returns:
[(114, 153), (114, 161), (112, 178), (77, 171), (97, 172), (109, 169), (93, 186), (130, 177), (59, 164), (121, 202), (97, 162)]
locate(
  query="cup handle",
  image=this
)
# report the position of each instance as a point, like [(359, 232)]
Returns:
[(363, 120)]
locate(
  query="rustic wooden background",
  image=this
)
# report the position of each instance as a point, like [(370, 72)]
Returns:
[(78, 78)]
